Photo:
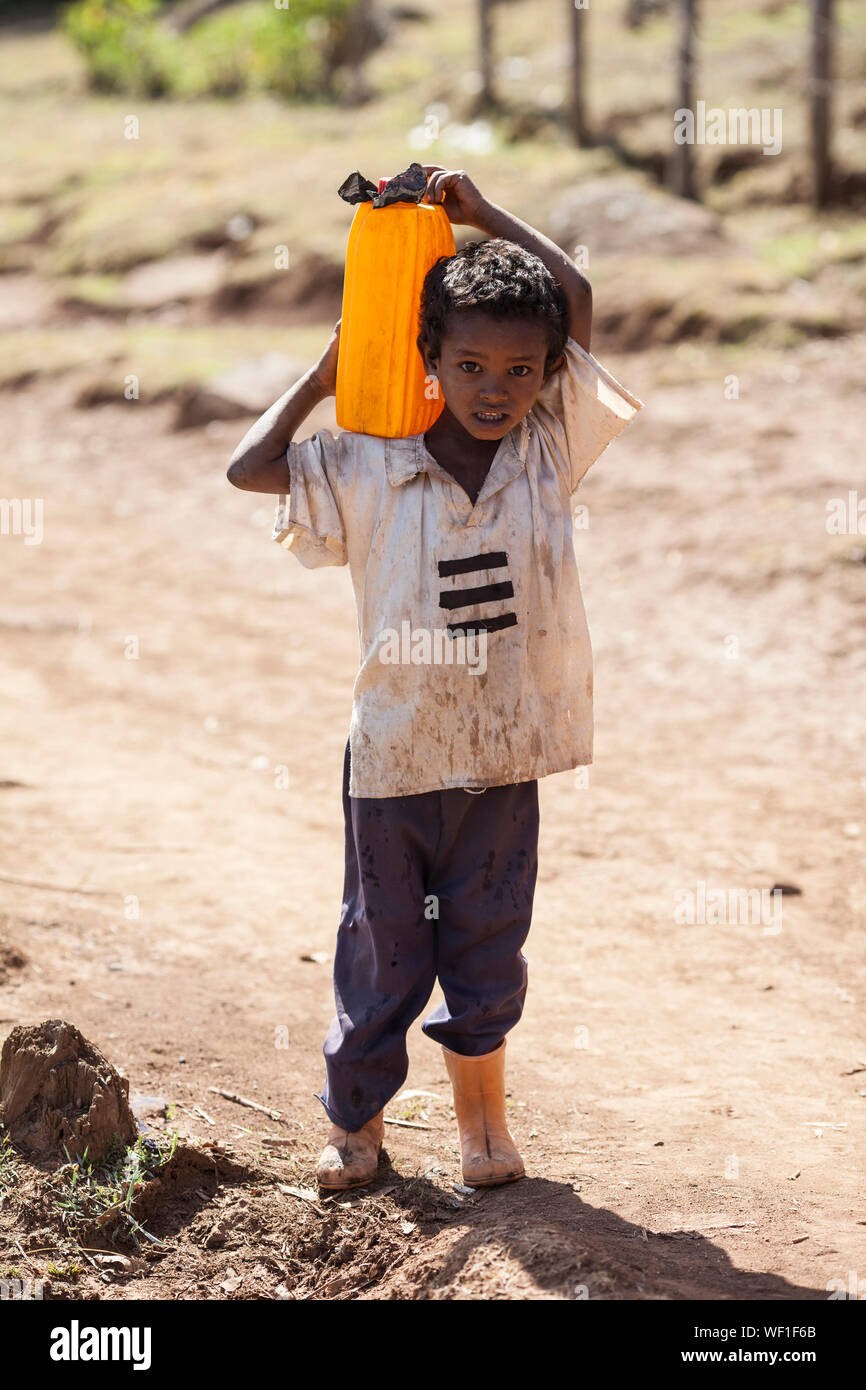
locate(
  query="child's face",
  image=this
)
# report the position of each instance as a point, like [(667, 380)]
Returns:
[(490, 370)]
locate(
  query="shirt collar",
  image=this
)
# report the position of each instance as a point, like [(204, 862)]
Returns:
[(407, 457)]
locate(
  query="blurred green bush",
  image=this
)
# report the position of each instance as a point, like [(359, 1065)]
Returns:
[(293, 52)]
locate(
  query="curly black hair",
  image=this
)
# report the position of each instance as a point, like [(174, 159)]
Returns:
[(499, 278)]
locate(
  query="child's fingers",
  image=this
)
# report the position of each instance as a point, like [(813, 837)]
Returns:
[(442, 183), (433, 185), (435, 174)]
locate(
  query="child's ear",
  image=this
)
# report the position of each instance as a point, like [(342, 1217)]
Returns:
[(431, 364), (554, 367)]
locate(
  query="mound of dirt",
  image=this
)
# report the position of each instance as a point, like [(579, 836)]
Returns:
[(58, 1092), (187, 1170)]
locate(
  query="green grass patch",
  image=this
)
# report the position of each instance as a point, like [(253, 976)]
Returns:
[(101, 1197), (9, 1171), (68, 1273)]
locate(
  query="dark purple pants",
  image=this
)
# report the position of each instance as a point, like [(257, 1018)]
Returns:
[(436, 884)]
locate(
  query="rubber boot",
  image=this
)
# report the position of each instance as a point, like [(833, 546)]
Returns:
[(489, 1155), (351, 1157)]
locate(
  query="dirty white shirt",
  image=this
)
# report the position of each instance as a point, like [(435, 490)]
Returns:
[(476, 666)]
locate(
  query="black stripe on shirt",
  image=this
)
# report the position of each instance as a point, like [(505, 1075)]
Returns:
[(484, 624), (493, 560), (485, 593)]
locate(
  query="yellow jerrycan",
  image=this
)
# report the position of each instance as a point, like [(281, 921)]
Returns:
[(394, 240)]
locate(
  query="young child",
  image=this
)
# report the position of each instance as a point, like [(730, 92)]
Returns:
[(458, 540)]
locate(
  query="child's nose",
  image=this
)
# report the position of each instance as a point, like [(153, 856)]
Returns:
[(494, 391)]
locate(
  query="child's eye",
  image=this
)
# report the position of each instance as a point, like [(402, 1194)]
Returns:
[(471, 367)]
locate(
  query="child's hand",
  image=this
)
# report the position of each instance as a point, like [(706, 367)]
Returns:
[(325, 370), (455, 191)]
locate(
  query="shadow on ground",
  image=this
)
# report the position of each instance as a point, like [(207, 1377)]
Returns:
[(538, 1238)]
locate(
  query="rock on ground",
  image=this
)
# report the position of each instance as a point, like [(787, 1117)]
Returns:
[(247, 389), (618, 218)]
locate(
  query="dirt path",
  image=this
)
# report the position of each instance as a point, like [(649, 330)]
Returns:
[(687, 1096)]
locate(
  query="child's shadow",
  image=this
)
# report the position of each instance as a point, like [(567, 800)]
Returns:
[(567, 1247)]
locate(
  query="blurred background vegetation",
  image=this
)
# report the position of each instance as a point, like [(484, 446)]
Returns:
[(151, 49), (169, 171)]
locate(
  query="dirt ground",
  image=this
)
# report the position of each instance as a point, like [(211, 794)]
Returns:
[(690, 1099)]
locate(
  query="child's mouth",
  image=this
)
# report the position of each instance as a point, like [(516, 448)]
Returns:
[(489, 417)]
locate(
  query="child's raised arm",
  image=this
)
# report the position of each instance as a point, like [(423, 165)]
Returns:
[(461, 199), (259, 464)]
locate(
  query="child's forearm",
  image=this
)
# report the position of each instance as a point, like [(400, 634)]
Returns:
[(259, 463), (496, 221)]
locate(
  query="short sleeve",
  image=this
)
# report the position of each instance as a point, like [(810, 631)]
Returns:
[(580, 410), (310, 522)]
